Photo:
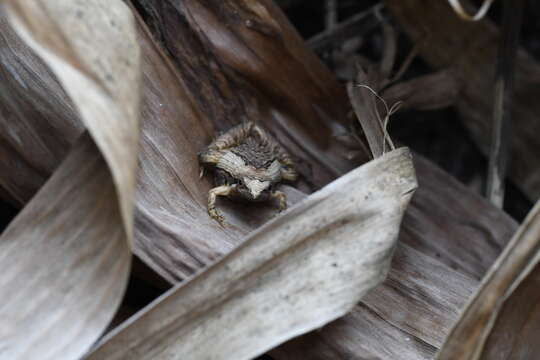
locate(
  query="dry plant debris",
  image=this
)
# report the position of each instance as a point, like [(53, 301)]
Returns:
[(332, 261)]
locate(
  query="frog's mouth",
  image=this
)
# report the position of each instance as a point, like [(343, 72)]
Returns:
[(256, 187)]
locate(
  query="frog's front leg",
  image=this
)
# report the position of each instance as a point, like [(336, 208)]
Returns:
[(281, 197), (223, 190)]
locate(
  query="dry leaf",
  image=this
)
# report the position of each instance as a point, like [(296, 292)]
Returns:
[(429, 92), (66, 257), (449, 238)]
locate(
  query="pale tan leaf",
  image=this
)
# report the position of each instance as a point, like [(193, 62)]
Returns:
[(65, 263), (93, 45), (449, 238), (295, 274), (66, 257)]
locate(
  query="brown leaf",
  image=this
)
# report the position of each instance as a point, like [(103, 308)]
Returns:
[(519, 258), (428, 92), (66, 257)]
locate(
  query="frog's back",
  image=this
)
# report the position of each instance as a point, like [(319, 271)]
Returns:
[(254, 152)]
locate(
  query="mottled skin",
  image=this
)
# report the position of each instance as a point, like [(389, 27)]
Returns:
[(247, 164)]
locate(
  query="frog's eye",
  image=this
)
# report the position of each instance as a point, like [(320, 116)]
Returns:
[(209, 157)]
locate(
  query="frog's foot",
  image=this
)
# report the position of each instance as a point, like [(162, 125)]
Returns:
[(282, 198), (224, 190)]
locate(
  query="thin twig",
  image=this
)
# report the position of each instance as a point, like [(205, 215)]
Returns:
[(500, 141), (407, 62), (357, 25), (331, 14), (390, 50)]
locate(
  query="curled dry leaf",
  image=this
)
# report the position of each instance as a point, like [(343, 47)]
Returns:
[(449, 238), (106, 72), (294, 274), (66, 257), (518, 260)]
